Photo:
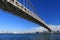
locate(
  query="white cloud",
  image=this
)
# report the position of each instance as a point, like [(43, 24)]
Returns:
[(36, 29), (41, 29), (55, 27)]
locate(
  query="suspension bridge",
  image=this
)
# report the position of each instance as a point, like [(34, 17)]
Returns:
[(23, 9)]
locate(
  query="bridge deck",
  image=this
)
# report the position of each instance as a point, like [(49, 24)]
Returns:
[(18, 9)]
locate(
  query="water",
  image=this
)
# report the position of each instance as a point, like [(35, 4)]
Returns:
[(29, 36)]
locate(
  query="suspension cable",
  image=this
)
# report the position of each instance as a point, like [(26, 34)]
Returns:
[(35, 11)]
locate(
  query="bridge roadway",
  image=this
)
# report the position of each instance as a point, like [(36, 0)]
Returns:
[(20, 10)]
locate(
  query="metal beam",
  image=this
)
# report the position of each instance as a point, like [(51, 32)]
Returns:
[(18, 9)]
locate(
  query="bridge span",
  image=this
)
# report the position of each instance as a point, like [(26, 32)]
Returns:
[(20, 10)]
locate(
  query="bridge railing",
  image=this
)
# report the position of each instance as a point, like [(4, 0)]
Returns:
[(32, 11), (27, 7), (28, 4)]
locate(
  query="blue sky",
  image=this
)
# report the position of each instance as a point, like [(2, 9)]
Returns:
[(48, 10)]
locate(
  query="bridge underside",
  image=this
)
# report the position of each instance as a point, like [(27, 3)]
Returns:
[(6, 6)]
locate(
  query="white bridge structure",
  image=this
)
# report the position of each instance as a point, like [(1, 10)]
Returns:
[(17, 8)]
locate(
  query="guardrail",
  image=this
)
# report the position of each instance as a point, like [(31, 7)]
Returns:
[(22, 7)]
